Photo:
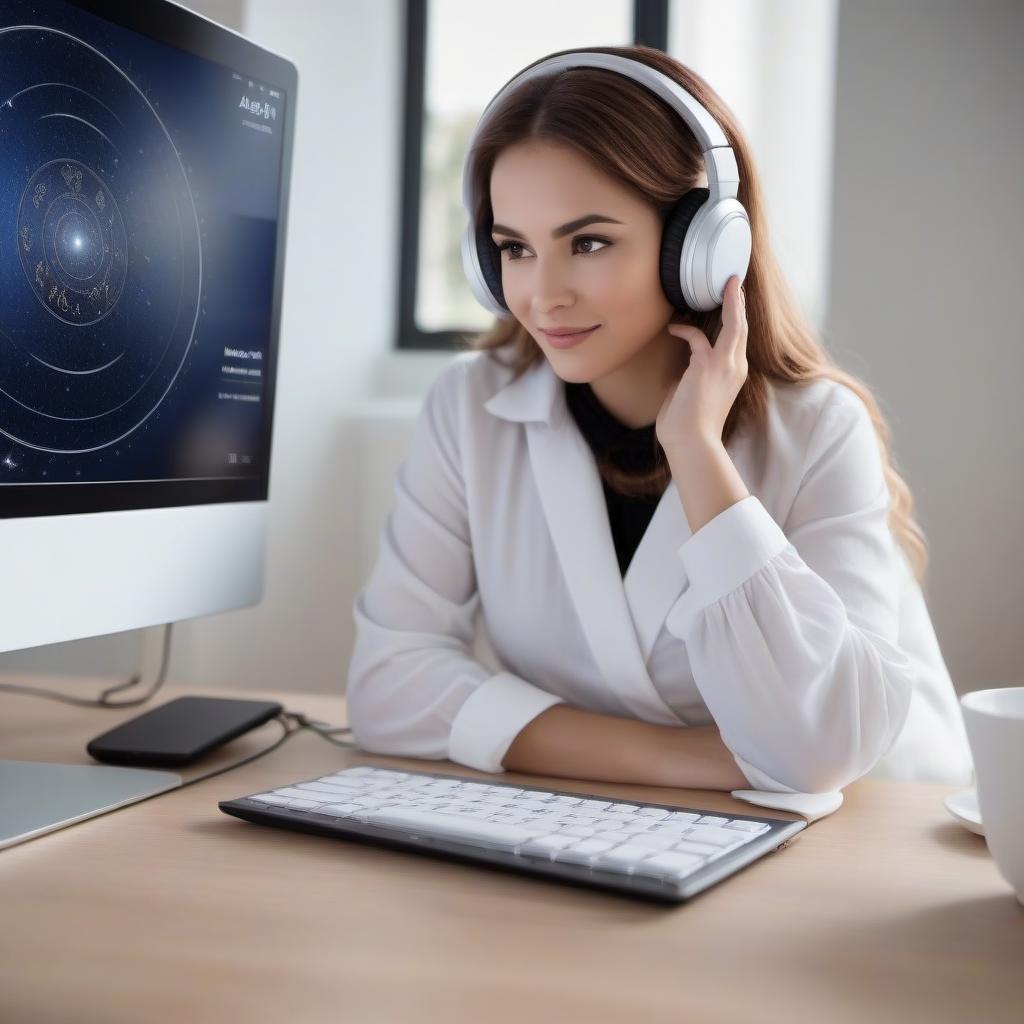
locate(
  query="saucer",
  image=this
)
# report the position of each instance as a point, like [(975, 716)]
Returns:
[(964, 807)]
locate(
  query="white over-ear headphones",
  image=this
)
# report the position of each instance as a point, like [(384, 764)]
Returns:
[(706, 236)]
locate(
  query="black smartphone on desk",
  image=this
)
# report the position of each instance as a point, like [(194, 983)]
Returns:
[(180, 731)]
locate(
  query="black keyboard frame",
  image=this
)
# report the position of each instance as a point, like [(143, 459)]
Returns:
[(780, 833)]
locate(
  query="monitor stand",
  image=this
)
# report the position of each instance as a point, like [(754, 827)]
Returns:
[(37, 797)]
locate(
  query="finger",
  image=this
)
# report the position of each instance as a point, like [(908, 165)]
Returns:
[(734, 317), (694, 335), (732, 304)]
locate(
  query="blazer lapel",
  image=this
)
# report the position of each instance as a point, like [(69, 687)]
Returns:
[(655, 577), (571, 495)]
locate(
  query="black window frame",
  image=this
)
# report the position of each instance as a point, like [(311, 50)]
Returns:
[(650, 28)]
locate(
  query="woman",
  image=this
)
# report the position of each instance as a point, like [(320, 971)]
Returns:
[(694, 560)]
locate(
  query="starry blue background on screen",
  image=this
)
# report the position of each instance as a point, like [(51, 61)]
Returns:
[(138, 225)]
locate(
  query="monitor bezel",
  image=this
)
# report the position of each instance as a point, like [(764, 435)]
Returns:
[(168, 23)]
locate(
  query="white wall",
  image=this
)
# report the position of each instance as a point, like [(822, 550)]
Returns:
[(925, 288)]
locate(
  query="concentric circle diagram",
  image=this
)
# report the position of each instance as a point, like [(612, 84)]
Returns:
[(99, 310)]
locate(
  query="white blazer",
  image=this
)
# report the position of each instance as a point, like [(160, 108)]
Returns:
[(791, 620)]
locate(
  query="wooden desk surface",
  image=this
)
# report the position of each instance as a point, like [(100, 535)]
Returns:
[(169, 909)]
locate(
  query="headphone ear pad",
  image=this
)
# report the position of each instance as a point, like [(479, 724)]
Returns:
[(490, 263), (672, 237)]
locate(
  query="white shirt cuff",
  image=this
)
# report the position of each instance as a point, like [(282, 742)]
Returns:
[(723, 554), (771, 793), (491, 718)]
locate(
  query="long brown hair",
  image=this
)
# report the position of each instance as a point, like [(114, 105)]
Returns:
[(639, 141)]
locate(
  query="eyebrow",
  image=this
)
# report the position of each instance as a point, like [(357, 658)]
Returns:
[(565, 229)]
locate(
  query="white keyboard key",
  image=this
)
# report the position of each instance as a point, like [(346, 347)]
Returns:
[(653, 812), (303, 805), (581, 817), (686, 816), (340, 810), (548, 846), (368, 801), (624, 856), (671, 865), (294, 792), (654, 842), (341, 782), (531, 805), (710, 819), (595, 805), (269, 798), (613, 837), (716, 836), (510, 819), (611, 823), (625, 808), (577, 830), (363, 770), (488, 834), (701, 849), (747, 826), (321, 787), (582, 853), (551, 821)]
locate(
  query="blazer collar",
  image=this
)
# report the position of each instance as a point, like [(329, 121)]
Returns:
[(534, 397), (621, 618)]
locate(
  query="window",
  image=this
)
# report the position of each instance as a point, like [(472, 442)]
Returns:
[(459, 54)]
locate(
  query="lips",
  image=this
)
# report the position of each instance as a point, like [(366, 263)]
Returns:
[(566, 330), (568, 337)]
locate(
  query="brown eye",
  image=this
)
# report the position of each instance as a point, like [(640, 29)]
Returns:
[(591, 240), (508, 246)]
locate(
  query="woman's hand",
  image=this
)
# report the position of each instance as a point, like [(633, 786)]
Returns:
[(697, 409)]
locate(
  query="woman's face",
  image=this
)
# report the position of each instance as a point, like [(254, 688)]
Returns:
[(603, 274)]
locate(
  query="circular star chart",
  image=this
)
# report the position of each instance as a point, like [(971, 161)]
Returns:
[(99, 310)]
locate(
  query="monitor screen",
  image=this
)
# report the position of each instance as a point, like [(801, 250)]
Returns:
[(141, 217)]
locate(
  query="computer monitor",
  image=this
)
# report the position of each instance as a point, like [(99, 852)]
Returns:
[(144, 166), (144, 159)]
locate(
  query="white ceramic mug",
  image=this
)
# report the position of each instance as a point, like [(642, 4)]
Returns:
[(994, 720)]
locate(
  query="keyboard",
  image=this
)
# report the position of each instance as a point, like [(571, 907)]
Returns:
[(652, 851)]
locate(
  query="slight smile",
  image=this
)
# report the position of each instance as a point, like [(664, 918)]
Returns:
[(568, 339)]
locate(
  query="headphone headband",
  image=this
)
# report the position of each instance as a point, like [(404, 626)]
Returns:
[(719, 161), (707, 236)]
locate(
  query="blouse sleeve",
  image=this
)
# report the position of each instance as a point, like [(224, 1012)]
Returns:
[(414, 687), (792, 634)]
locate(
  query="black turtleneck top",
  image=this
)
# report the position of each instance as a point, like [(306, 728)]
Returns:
[(630, 449)]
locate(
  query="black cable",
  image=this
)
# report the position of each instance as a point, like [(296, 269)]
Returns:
[(324, 733), (286, 735), (103, 701), (289, 731)]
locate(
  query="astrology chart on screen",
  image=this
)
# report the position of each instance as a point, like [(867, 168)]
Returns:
[(139, 191)]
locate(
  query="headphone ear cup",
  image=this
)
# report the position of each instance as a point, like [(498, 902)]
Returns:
[(672, 237), (490, 264)]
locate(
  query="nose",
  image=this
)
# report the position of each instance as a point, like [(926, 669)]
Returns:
[(551, 289)]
